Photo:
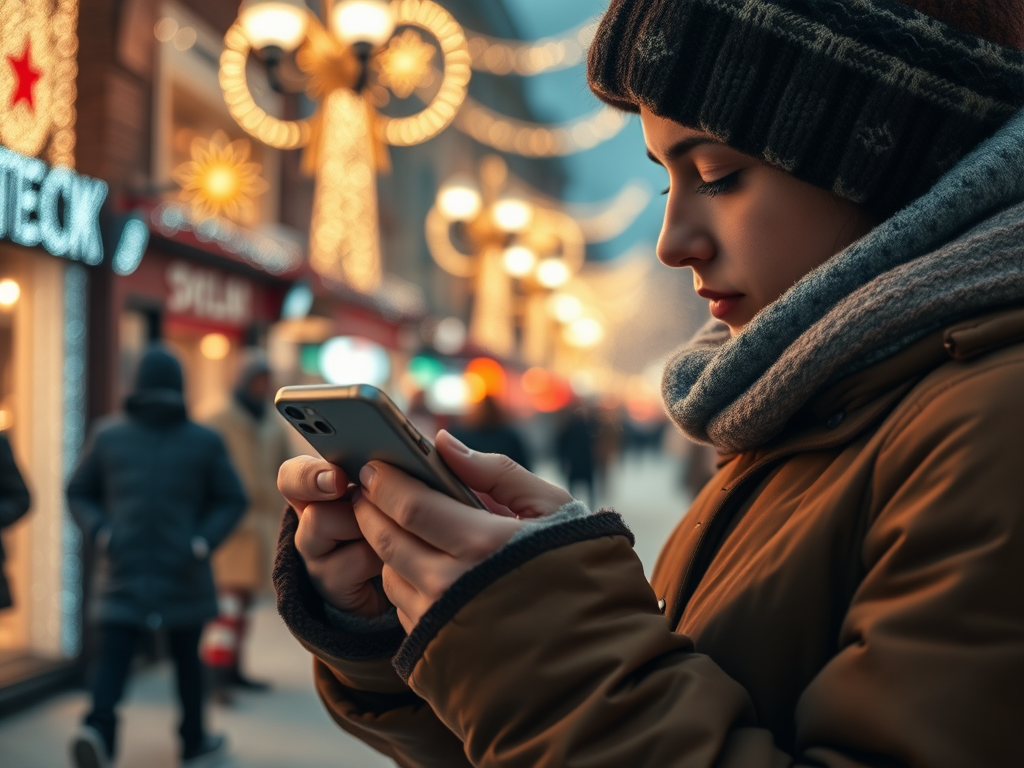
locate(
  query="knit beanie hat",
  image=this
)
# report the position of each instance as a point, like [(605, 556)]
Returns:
[(871, 99), (158, 369)]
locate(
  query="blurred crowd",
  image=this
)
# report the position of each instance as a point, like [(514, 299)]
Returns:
[(182, 520)]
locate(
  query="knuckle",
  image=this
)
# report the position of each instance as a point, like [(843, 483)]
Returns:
[(406, 511), (385, 545)]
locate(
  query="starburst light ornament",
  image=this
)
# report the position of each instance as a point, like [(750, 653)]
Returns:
[(220, 180), (405, 64)]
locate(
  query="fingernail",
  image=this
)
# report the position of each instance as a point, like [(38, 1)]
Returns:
[(325, 481), (366, 475), (458, 446)]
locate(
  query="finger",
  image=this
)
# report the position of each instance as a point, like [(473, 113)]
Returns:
[(506, 482), (410, 603), (414, 560), (306, 478), (343, 578), (459, 530), (323, 525)]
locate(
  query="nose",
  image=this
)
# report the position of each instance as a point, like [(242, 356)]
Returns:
[(683, 240)]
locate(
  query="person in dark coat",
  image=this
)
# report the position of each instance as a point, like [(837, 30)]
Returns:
[(155, 493), (575, 444), (14, 503), (487, 430)]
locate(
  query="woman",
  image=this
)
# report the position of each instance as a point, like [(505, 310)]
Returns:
[(845, 183)]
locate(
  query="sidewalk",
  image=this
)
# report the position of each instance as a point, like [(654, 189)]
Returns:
[(287, 727), (284, 728)]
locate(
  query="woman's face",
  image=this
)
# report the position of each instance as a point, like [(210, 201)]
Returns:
[(747, 230)]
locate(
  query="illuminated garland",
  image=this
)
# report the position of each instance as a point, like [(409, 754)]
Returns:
[(38, 67), (344, 240), (503, 57), (520, 137)]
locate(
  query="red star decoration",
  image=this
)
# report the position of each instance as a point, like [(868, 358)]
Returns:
[(26, 76)]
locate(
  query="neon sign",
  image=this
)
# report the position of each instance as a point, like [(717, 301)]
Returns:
[(53, 207)]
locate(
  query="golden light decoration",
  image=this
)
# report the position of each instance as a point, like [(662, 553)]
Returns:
[(38, 71), (503, 57), (404, 65), (345, 139), (513, 236), (220, 180), (520, 137)]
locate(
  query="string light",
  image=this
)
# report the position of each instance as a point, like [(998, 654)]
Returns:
[(442, 109), (10, 292), (503, 57), (448, 257), (521, 137), (343, 236), (272, 131), (220, 180)]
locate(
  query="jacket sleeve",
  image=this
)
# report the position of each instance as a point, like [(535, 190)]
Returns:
[(354, 675), (14, 496), (85, 490), (226, 501), (585, 670)]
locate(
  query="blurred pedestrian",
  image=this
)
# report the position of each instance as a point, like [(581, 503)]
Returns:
[(486, 429), (14, 503), (155, 494), (255, 439), (575, 445)]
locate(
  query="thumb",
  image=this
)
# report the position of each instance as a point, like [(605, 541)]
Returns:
[(504, 481)]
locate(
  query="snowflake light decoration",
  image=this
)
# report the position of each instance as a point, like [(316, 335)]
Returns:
[(406, 64)]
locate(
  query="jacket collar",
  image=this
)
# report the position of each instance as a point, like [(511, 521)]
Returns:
[(848, 408)]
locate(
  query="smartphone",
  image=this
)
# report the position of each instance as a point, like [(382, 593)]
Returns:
[(349, 426)]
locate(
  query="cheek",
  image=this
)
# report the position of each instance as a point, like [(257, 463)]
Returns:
[(785, 233)]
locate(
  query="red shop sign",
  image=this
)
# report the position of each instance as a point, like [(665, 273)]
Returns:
[(195, 293)]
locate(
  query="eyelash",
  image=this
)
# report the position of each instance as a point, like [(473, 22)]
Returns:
[(720, 186)]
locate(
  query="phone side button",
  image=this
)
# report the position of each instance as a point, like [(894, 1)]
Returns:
[(424, 446)]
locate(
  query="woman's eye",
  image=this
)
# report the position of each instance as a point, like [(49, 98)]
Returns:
[(665, 191), (720, 186)]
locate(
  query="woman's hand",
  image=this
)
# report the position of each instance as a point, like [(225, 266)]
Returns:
[(426, 539), (339, 561)]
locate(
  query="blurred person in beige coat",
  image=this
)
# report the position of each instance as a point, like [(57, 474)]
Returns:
[(257, 443)]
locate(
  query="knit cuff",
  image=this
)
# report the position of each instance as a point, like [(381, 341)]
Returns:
[(361, 625), (305, 612), (574, 525)]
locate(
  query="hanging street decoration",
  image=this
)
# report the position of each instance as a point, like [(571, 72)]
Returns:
[(346, 138), (220, 180)]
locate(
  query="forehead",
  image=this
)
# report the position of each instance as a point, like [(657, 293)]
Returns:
[(662, 132)]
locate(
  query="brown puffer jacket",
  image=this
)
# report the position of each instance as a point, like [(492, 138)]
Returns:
[(850, 595)]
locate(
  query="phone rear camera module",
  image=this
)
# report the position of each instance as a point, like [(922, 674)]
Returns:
[(294, 412), (307, 429), (323, 426)]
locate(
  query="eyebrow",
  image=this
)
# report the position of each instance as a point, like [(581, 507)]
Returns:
[(683, 146)]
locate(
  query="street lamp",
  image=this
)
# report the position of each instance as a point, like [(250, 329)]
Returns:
[(345, 140), (510, 237)]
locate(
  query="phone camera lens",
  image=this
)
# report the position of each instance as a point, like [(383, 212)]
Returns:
[(294, 412), (323, 427), (307, 429)]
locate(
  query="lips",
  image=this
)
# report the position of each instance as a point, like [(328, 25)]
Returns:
[(722, 304)]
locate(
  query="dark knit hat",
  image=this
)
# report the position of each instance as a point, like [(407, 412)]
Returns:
[(871, 99), (158, 369)]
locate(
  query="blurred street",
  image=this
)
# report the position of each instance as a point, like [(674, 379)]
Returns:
[(288, 726)]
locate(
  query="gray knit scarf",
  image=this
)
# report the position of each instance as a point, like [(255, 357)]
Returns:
[(953, 253)]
